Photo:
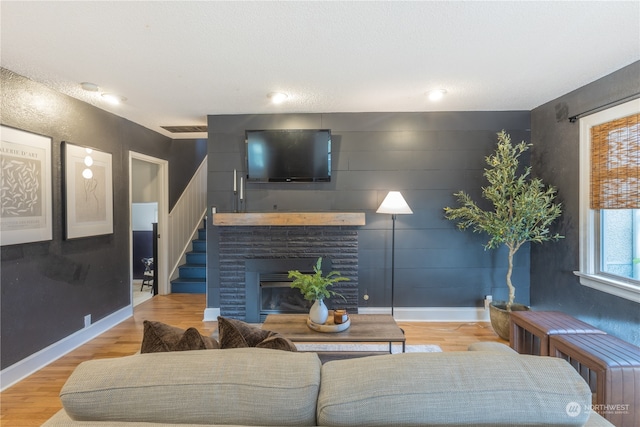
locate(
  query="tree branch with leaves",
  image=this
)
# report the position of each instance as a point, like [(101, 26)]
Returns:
[(523, 207)]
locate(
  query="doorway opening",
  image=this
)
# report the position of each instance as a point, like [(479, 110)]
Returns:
[(148, 193)]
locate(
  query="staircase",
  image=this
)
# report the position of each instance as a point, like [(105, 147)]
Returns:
[(192, 276)]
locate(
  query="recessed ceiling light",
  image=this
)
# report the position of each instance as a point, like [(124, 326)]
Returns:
[(277, 97), (90, 87), (114, 99), (436, 94)]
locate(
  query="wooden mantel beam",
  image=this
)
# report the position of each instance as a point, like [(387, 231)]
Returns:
[(291, 219)]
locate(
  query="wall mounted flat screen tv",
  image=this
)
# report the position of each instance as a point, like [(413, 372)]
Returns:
[(289, 155)]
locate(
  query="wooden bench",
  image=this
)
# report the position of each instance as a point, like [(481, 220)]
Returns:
[(611, 366), (530, 330)]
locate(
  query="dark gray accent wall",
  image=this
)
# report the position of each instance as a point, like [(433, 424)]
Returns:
[(426, 156), (555, 158), (48, 287), (185, 156)]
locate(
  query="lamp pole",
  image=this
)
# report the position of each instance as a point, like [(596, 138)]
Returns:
[(393, 204), (393, 258)]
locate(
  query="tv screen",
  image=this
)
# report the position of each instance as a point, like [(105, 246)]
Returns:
[(300, 155)]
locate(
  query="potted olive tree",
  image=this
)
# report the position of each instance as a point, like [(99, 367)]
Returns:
[(522, 210), (314, 288)]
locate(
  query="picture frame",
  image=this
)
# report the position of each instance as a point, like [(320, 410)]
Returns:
[(26, 213), (88, 191)]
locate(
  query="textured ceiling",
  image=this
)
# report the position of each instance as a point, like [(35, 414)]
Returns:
[(178, 61)]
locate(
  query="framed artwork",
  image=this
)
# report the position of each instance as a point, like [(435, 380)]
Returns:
[(25, 186), (88, 185)]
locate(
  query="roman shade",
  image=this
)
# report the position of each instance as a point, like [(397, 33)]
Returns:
[(615, 164)]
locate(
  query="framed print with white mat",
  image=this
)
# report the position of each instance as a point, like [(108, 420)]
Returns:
[(25, 186), (88, 185)]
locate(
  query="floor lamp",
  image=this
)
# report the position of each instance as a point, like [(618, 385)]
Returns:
[(394, 204)]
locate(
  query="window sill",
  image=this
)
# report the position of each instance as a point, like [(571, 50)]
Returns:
[(610, 285)]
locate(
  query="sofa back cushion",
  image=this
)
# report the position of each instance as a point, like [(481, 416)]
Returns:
[(457, 388), (247, 386)]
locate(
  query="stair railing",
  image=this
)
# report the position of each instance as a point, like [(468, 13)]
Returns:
[(186, 218)]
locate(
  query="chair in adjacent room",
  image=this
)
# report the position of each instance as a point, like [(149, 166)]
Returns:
[(147, 279)]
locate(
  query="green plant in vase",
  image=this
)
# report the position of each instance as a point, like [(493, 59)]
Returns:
[(522, 210), (314, 287)]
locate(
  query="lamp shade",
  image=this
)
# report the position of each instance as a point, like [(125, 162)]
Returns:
[(394, 203)]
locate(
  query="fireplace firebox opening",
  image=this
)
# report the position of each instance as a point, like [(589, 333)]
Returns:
[(277, 296), (268, 286)]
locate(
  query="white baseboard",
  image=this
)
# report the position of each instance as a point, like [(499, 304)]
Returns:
[(431, 314), (27, 366), (211, 314)]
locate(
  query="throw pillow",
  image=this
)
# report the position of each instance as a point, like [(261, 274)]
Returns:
[(160, 337), (277, 342), (234, 333)]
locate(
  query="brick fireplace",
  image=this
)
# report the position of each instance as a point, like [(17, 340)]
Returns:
[(254, 256)]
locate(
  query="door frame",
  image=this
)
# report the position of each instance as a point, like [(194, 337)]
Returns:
[(163, 220)]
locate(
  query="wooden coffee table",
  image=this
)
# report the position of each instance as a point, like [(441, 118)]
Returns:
[(370, 328)]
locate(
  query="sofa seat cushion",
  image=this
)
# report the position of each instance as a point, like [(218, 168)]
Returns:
[(247, 386), (61, 419), (446, 389), (492, 346)]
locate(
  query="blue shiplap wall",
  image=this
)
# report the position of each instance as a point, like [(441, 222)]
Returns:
[(426, 156)]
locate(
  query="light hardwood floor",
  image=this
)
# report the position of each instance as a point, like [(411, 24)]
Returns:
[(35, 399)]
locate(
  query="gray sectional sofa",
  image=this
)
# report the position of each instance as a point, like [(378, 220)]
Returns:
[(264, 387)]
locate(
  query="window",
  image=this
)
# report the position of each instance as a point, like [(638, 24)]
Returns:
[(619, 242), (610, 201)]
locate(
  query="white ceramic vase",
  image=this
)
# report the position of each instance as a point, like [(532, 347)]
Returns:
[(318, 312)]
